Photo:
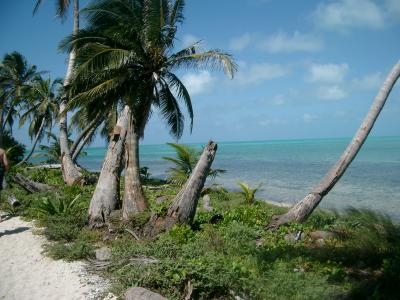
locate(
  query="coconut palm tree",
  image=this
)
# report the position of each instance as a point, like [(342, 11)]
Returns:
[(15, 76), (127, 53), (303, 209), (41, 108), (70, 171)]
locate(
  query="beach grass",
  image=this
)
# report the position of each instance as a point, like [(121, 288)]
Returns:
[(233, 257)]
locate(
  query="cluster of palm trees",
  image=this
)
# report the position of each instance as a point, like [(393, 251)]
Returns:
[(121, 68), (26, 95)]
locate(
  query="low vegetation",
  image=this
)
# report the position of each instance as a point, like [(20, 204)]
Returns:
[(225, 257)]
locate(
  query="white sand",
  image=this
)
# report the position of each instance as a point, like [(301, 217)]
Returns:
[(26, 274)]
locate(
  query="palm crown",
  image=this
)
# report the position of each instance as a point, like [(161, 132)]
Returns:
[(126, 52), (15, 78)]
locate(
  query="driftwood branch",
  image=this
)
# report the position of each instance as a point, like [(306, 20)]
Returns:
[(131, 232)]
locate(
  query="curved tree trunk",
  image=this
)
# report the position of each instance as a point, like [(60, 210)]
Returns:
[(83, 143), (8, 115), (1, 124), (106, 195), (71, 173), (183, 208), (83, 134), (301, 211), (134, 200), (34, 144)]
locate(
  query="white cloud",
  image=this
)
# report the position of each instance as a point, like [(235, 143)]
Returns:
[(197, 83), (241, 42), (272, 121), (329, 73), (393, 7), (189, 39), (278, 100), (278, 42), (368, 82), (308, 118), (333, 92), (343, 15), (298, 42), (261, 72)]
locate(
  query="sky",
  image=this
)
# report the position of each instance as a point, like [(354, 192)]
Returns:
[(307, 69)]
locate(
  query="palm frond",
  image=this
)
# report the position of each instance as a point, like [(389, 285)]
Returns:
[(213, 59)]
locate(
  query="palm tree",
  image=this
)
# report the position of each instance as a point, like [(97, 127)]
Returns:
[(185, 162), (126, 53), (303, 209), (41, 108), (70, 171), (15, 77)]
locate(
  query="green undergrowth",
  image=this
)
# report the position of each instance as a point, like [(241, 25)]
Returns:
[(232, 257)]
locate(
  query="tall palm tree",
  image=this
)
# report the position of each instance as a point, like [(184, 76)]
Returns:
[(15, 76), (70, 171), (303, 209), (126, 53), (41, 108)]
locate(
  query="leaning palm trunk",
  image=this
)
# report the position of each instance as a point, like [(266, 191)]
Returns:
[(134, 200), (71, 173), (83, 143), (1, 125), (183, 208), (302, 210), (106, 195), (39, 133), (83, 134)]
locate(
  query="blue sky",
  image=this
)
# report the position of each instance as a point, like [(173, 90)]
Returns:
[(307, 69)]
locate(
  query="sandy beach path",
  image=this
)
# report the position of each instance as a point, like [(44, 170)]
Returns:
[(26, 274)]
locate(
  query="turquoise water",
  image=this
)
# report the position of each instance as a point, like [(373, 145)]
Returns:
[(288, 169)]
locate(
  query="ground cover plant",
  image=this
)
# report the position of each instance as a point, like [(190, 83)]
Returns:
[(231, 256)]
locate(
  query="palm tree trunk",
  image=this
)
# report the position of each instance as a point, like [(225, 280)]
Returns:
[(1, 125), (83, 135), (71, 173), (34, 143), (183, 208), (302, 210), (106, 195), (4, 124), (134, 200), (84, 143)]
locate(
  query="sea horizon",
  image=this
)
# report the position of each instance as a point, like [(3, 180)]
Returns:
[(287, 169)]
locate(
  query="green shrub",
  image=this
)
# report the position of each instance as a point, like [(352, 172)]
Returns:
[(73, 251), (63, 228)]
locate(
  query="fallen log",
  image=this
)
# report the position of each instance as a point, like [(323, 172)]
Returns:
[(14, 202), (30, 185), (45, 166)]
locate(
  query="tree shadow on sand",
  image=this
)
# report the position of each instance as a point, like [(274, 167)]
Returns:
[(14, 231)]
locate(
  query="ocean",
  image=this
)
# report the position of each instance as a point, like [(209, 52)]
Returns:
[(286, 170)]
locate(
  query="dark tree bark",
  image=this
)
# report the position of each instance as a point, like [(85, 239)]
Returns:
[(106, 195), (134, 200), (183, 208), (302, 210)]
